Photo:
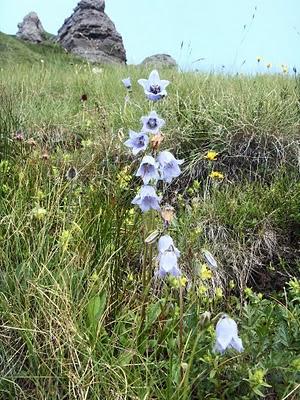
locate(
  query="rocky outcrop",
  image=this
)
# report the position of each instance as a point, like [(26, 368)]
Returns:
[(90, 33), (31, 29), (160, 60)]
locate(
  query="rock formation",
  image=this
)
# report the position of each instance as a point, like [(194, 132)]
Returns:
[(160, 60), (90, 33), (31, 28)]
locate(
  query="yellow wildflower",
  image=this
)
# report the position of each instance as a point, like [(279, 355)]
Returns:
[(205, 273), (248, 292), (258, 59), (39, 212), (202, 289), (211, 155), (216, 175), (231, 284), (124, 178), (64, 239), (177, 282), (219, 293), (269, 65)]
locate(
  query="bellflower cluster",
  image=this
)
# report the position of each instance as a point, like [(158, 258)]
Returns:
[(161, 165), (155, 167)]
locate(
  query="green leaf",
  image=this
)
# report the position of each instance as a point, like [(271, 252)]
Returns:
[(95, 309)]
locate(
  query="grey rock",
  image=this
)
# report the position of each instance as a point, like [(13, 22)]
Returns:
[(31, 28), (160, 60), (90, 33)]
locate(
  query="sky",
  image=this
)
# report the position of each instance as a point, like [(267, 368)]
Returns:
[(209, 35)]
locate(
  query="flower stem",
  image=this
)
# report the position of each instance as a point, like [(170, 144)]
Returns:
[(181, 332)]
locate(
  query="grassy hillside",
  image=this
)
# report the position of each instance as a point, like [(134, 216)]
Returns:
[(81, 313), (16, 51)]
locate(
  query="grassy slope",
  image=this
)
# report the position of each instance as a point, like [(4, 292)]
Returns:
[(71, 290), (15, 51)]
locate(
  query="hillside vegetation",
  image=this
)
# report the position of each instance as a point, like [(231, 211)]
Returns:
[(76, 320), (16, 51)]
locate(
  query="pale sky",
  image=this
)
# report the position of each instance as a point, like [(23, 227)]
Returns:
[(223, 32)]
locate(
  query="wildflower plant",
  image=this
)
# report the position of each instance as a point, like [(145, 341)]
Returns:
[(158, 165)]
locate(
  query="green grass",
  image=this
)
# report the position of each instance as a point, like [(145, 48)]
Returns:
[(76, 320), (16, 51)]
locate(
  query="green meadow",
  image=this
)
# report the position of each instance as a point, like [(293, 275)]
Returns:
[(82, 314)]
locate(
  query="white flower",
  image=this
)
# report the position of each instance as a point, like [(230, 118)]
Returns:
[(152, 123), (154, 87), (168, 256), (127, 82), (166, 243), (227, 336), (148, 170)]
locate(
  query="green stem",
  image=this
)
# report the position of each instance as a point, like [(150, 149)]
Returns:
[(181, 332)]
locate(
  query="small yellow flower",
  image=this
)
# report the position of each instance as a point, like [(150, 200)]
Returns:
[(64, 239), (39, 212), (285, 68), (258, 59), (216, 175), (130, 278), (219, 293), (231, 284), (95, 277), (183, 281), (211, 155), (40, 195), (248, 291), (205, 273), (202, 289), (124, 178), (86, 143), (269, 65), (177, 282)]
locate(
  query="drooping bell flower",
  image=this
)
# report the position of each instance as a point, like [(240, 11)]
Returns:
[(148, 169), (147, 199), (168, 256), (168, 264), (166, 243), (137, 142), (227, 336), (152, 123), (169, 166), (154, 87)]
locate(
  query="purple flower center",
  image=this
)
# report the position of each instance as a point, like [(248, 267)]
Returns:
[(141, 141), (155, 89), (152, 123)]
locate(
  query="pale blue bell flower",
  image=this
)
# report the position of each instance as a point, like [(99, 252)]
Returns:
[(152, 123), (154, 87), (168, 264), (148, 169), (166, 243), (227, 336), (168, 256), (147, 199), (169, 166), (137, 142)]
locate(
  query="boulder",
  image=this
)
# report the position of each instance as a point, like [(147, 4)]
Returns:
[(31, 29), (90, 33), (160, 60)]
